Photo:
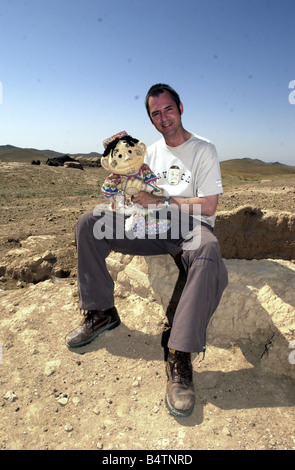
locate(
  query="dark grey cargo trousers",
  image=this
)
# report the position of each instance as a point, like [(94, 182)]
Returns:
[(205, 282)]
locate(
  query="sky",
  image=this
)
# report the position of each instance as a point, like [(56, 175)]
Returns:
[(74, 72)]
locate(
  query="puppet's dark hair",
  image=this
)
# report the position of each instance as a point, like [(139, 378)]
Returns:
[(130, 140)]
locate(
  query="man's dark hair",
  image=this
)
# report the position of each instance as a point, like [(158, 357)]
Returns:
[(157, 90), (130, 140)]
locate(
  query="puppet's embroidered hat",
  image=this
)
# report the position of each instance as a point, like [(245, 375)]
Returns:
[(119, 135)]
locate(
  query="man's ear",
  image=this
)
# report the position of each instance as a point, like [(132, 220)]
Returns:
[(105, 163), (181, 108)]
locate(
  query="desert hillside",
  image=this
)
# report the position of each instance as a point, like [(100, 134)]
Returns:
[(10, 153)]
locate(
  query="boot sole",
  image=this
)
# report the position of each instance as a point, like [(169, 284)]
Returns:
[(173, 411), (112, 326)]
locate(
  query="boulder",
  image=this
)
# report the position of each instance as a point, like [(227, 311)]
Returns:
[(89, 161), (250, 233), (59, 160), (76, 165), (35, 260), (256, 311)]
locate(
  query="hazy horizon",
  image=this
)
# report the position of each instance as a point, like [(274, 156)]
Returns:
[(94, 151)]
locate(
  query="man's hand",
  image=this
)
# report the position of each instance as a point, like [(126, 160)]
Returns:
[(145, 199), (208, 204)]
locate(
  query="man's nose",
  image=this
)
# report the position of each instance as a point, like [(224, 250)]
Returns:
[(163, 115)]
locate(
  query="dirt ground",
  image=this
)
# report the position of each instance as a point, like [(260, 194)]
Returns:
[(110, 396)]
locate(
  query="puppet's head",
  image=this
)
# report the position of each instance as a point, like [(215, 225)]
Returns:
[(123, 154)]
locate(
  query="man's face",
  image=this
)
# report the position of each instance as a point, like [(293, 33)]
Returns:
[(165, 114)]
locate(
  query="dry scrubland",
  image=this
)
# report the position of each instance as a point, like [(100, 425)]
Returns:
[(111, 396)]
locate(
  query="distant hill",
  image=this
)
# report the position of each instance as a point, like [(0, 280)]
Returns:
[(9, 153), (251, 168), (254, 168)]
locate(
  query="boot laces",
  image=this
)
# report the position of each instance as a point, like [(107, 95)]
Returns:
[(88, 315)]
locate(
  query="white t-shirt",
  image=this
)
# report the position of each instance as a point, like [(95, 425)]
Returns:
[(189, 170)]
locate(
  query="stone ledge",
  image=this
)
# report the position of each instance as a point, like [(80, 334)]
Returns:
[(250, 233), (256, 311)]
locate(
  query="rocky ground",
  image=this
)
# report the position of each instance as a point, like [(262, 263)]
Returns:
[(110, 396)]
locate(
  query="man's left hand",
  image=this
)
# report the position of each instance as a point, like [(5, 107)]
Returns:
[(145, 199)]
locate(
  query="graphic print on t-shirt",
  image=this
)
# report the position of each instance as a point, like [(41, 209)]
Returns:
[(174, 175)]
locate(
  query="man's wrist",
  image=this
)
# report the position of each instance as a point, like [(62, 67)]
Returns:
[(164, 200), (161, 200)]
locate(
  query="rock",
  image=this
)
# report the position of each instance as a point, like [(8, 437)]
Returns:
[(63, 401), (68, 427), (256, 308), (34, 261), (250, 233), (76, 401), (51, 367), (23, 264), (10, 396), (131, 281), (88, 161), (99, 445), (226, 431), (48, 255), (76, 165)]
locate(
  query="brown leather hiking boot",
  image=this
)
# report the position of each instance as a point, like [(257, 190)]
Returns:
[(180, 397), (94, 323)]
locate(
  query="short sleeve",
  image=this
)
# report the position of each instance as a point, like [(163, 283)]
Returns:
[(207, 175)]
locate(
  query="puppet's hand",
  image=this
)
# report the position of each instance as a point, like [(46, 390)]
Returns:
[(133, 187), (151, 187)]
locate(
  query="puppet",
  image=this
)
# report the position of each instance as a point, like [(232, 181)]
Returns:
[(124, 157)]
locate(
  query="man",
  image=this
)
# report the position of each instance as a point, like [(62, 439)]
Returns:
[(188, 171)]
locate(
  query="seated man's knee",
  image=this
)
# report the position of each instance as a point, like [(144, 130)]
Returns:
[(210, 246), (84, 222)]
